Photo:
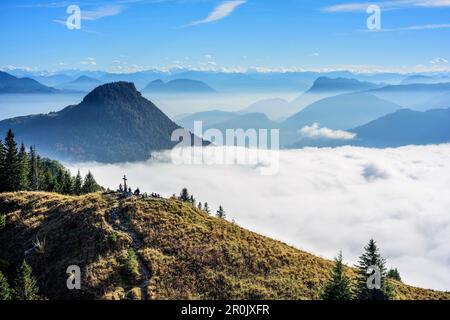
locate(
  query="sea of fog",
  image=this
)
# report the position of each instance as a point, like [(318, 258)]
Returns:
[(326, 200), (15, 105)]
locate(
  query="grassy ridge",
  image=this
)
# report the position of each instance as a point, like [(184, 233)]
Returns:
[(188, 254)]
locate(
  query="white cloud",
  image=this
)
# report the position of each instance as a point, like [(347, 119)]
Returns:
[(395, 4), (101, 12), (223, 10), (314, 131), (439, 61), (326, 200), (413, 28), (89, 61)]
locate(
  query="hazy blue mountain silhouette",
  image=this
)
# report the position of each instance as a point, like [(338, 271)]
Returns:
[(275, 108), (208, 118), (413, 96), (82, 83), (12, 84), (405, 127), (342, 111), (325, 87), (113, 123), (178, 86)]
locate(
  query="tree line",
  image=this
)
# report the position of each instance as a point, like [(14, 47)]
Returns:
[(25, 170), (363, 287), (189, 198)]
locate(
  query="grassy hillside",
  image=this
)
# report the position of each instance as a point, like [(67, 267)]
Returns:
[(156, 249)]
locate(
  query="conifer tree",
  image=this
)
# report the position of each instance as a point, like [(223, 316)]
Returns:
[(11, 168), (78, 184), (206, 208), (24, 169), (184, 195), (221, 213), (339, 285), (90, 185), (33, 176), (394, 274), (67, 187), (50, 181), (60, 179), (5, 290), (372, 258), (25, 285), (200, 207), (192, 200)]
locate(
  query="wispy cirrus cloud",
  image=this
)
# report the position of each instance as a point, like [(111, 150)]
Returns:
[(394, 4), (101, 12), (415, 28), (439, 60), (222, 11)]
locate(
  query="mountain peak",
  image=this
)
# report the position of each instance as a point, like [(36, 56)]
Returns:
[(84, 78), (111, 92), (323, 84)]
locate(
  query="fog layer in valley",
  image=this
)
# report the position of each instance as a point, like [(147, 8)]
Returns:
[(326, 200), (16, 105)]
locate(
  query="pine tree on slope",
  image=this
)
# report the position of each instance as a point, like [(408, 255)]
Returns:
[(339, 285), (5, 290), (372, 258), (25, 285)]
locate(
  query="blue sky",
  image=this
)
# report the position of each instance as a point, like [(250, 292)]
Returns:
[(130, 35)]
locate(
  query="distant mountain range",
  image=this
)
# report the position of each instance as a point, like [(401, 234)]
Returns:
[(340, 85), (275, 109), (413, 96), (178, 86), (113, 123), (325, 87), (400, 128), (405, 127), (208, 118), (415, 79), (12, 84), (342, 111), (82, 83), (52, 80)]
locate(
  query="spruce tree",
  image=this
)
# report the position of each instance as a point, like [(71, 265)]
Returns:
[(192, 200), (67, 187), (50, 182), (5, 290), (90, 185), (184, 195), (206, 208), (33, 176), (11, 167), (60, 178), (25, 285), (24, 169), (78, 184), (339, 285), (372, 258), (221, 213)]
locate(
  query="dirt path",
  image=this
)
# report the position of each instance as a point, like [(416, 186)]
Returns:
[(116, 220)]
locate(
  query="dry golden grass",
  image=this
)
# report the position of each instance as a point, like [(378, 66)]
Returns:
[(190, 255)]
